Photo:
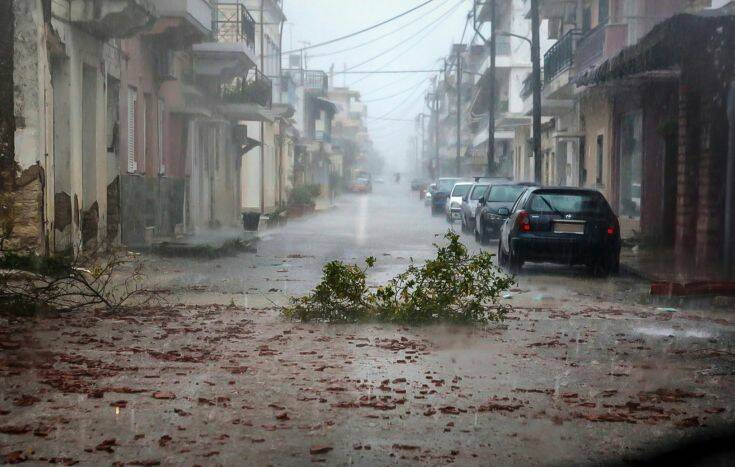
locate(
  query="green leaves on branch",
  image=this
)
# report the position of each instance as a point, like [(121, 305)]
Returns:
[(453, 287)]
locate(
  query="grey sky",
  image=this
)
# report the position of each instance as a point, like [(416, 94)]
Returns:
[(426, 37)]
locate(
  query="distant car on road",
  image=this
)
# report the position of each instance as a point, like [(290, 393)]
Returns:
[(497, 195), (361, 185), (440, 194), (379, 180), (469, 205), (561, 225)]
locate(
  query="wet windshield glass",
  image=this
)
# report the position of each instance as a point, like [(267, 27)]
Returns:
[(461, 190), (505, 194), (557, 203), (478, 192)]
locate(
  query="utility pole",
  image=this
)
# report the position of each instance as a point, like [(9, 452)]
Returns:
[(459, 111), (491, 99), (436, 133), (536, 59)]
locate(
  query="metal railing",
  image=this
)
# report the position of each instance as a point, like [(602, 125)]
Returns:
[(235, 24), (561, 55), (315, 80), (591, 47), (254, 88)]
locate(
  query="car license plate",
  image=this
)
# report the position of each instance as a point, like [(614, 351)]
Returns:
[(569, 227)]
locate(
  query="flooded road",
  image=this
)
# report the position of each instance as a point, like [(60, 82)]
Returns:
[(581, 372)]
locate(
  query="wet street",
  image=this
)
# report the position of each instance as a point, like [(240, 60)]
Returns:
[(584, 371)]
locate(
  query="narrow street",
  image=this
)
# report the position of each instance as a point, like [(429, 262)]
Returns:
[(580, 373)]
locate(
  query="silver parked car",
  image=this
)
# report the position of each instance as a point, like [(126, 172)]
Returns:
[(469, 205), (453, 208)]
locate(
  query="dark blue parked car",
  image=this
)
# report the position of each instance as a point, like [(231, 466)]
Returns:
[(561, 225), (440, 194)]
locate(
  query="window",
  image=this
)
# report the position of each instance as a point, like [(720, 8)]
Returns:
[(132, 107), (460, 190), (505, 193), (631, 164), (589, 203), (600, 159), (586, 19), (477, 192)]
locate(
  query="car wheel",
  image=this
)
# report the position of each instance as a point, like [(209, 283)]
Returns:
[(502, 257), (484, 237), (514, 263), (600, 267)]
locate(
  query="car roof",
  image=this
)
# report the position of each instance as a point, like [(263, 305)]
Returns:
[(568, 189), (464, 183)]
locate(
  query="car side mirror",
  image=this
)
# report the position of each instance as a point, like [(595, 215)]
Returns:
[(481, 200), (505, 212)]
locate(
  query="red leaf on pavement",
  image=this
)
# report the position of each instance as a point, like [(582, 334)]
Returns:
[(276, 406), (164, 395), (145, 462), (688, 422), (107, 445), (164, 440), (121, 404), (320, 449), (429, 412), (449, 410), (283, 416), (714, 410), (25, 400), (407, 447), (15, 457), (15, 429)]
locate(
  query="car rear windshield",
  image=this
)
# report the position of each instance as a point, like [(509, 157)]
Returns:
[(478, 192), (445, 185), (461, 190), (568, 203), (505, 193)]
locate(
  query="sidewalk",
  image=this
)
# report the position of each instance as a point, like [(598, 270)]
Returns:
[(670, 275)]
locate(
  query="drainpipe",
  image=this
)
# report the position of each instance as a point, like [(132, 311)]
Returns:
[(262, 124), (728, 256), (536, 60)]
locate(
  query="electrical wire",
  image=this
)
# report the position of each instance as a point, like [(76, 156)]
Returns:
[(414, 86), (432, 23), (361, 31), (372, 41)]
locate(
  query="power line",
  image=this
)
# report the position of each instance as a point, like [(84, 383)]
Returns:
[(398, 93), (378, 72), (332, 41), (372, 41), (383, 52)]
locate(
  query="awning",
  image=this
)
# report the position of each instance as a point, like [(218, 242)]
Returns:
[(326, 105), (680, 39)]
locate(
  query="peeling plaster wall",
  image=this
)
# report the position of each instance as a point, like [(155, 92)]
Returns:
[(33, 138)]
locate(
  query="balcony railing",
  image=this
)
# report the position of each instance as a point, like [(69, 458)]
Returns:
[(235, 24), (255, 88), (315, 80), (591, 47), (560, 56)]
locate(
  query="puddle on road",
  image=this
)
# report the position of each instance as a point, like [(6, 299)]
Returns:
[(668, 331)]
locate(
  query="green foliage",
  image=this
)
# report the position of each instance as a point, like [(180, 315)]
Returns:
[(304, 195), (454, 287)]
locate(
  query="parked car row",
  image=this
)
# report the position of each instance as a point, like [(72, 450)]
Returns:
[(532, 223)]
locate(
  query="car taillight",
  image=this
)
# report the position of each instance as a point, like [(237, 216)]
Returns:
[(524, 222), (611, 230)]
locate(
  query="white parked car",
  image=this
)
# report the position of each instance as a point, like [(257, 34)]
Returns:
[(469, 205), (453, 208)]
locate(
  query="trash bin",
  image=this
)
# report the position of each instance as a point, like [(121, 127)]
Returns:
[(250, 221)]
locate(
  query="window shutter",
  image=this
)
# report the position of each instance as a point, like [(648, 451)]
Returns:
[(132, 98)]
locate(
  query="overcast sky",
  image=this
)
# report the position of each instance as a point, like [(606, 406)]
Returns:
[(418, 40)]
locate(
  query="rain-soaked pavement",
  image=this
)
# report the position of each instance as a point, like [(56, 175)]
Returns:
[(583, 371)]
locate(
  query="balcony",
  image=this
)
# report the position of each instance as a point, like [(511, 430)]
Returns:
[(109, 18), (199, 14), (560, 57), (235, 24), (254, 88), (311, 80), (599, 44)]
